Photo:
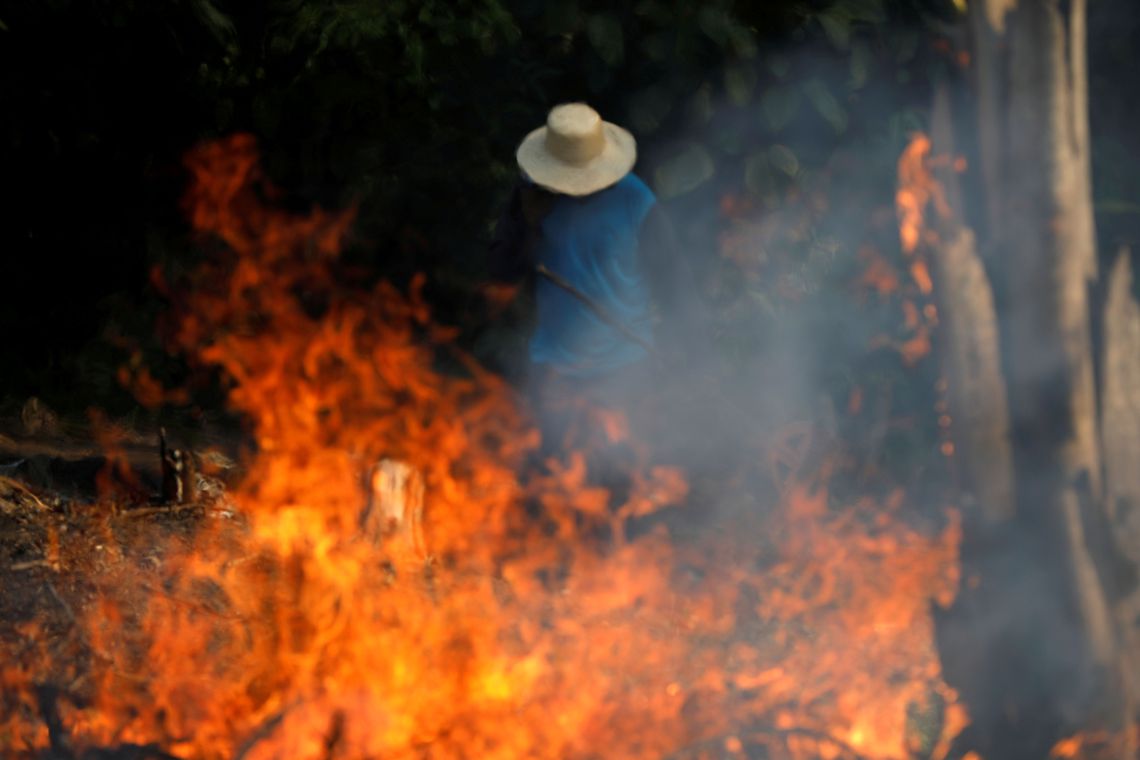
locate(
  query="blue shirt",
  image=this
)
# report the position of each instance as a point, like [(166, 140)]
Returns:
[(618, 247), (592, 243)]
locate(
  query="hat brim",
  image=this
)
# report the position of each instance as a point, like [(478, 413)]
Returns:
[(615, 161)]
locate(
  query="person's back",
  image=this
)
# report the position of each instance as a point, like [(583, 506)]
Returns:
[(601, 254), (591, 242)]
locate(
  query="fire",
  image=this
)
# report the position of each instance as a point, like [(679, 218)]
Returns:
[(918, 190), (1098, 744), (513, 617)]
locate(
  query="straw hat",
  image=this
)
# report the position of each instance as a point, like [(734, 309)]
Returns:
[(577, 153)]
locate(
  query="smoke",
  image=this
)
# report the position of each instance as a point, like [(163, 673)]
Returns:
[(781, 228), (773, 225), (783, 599)]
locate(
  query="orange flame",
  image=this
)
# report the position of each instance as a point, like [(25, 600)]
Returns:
[(526, 624), (918, 189), (1099, 744)]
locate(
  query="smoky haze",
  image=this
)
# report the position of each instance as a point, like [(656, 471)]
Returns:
[(820, 356), (812, 400)]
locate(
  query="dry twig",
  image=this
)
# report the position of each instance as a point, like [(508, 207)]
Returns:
[(262, 732), (170, 510), (18, 486), (761, 732), (17, 567), (60, 600)]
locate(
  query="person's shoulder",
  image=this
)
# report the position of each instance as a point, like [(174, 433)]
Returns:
[(634, 194), (635, 185)]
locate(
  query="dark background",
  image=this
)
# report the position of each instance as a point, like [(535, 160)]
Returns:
[(792, 111)]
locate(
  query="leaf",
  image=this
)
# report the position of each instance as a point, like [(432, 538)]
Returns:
[(903, 124), (326, 35), (656, 12), (1116, 206), (685, 172), (906, 44), (729, 139), (779, 65), (599, 75), (868, 11), (758, 174), (779, 105), (837, 26), (655, 47), (414, 54), (266, 115), (860, 64), (701, 104), (826, 104), (743, 41), (714, 22), (762, 301), (605, 34), (649, 107), (223, 114), (563, 17), (740, 81), (782, 158), (219, 24)]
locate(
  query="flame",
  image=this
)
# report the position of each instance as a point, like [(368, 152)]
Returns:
[(1099, 744), (516, 619), (878, 274), (145, 388), (918, 189)]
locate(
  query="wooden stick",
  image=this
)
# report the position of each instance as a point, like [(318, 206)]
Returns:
[(595, 307), (32, 563), (62, 603), (767, 731), (148, 511), (264, 731), (195, 604), (13, 483)]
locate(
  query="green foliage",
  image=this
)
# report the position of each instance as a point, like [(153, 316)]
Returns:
[(1112, 61), (770, 129), (411, 111)]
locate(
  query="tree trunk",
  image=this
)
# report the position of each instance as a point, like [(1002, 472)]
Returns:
[(1051, 249), (1120, 406), (987, 26), (1120, 438), (970, 348), (1053, 661)]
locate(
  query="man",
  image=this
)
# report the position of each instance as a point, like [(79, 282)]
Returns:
[(611, 294)]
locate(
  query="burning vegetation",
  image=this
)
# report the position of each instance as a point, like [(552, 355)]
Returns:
[(398, 573), (884, 506)]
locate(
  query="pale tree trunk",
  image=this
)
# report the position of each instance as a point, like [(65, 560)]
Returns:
[(1044, 608), (1120, 406), (969, 346), (1048, 239), (1120, 438), (987, 26)]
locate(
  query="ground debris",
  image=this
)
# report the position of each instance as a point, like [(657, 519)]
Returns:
[(17, 499)]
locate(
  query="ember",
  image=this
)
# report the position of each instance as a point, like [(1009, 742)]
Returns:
[(516, 620)]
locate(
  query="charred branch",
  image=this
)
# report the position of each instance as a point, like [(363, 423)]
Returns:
[(179, 473)]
